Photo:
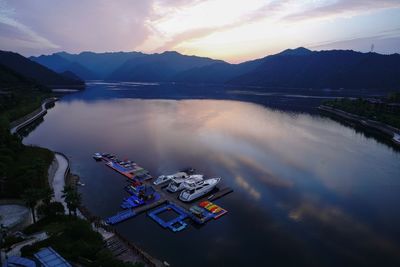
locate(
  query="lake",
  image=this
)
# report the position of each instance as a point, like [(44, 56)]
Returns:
[(308, 191)]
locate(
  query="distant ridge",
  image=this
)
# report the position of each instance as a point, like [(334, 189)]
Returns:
[(291, 68), (36, 72)]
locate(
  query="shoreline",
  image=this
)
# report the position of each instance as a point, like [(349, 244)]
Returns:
[(389, 131), (23, 122), (59, 174)]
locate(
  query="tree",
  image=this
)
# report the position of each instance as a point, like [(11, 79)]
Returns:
[(31, 197), (47, 195), (72, 198), (51, 209)]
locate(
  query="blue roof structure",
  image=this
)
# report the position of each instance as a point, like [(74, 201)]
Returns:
[(48, 257), (14, 261)]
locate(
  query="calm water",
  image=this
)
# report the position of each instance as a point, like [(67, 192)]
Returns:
[(308, 191)]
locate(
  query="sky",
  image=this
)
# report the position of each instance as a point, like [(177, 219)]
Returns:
[(232, 30)]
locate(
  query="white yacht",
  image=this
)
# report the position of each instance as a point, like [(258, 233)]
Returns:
[(177, 184), (198, 190), (97, 156), (165, 178)]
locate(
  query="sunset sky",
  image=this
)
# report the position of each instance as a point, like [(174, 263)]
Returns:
[(231, 30)]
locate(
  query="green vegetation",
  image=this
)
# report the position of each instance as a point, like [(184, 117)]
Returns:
[(394, 98), (11, 240), (32, 196), (75, 240), (19, 95), (72, 198), (24, 175), (382, 112), (21, 167)]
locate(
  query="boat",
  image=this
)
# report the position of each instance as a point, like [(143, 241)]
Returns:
[(192, 181), (396, 138), (165, 178), (198, 190), (178, 184), (97, 156)]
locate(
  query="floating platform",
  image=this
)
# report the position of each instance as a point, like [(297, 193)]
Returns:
[(135, 201), (216, 210), (177, 224), (130, 169), (141, 190), (205, 211), (120, 216)]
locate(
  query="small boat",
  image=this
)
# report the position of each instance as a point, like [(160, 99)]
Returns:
[(97, 156), (396, 138), (165, 178), (178, 184), (199, 190)]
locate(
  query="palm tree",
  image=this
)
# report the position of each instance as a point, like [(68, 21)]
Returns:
[(47, 195), (72, 198), (31, 197)]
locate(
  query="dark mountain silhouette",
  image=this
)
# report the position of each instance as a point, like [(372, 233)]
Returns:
[(70, 75), (11, 81), (87, 65), (158, 67), (59, 64), (34, 71), (325, 69), (220, 72), (292, 68)]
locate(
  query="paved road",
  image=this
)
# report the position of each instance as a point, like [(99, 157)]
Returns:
[(34, 117), (59, 179)]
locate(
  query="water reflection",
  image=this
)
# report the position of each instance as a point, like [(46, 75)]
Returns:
[(305, 186)]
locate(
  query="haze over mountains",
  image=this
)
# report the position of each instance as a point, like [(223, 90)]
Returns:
[(292, 68)]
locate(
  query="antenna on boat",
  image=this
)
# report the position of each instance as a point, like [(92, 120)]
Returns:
[(372, 48)]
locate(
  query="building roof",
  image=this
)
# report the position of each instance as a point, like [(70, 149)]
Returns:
[(48, 257), (15, 261)]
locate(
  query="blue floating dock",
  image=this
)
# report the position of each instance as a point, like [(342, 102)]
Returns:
[(135, 201), (177, 224), (120, 216)]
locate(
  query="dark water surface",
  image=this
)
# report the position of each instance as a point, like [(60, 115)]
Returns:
[(308, 191)]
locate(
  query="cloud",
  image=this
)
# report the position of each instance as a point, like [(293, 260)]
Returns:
[(387, 41), (16, 35), (345, 234), (284, 11), (33, 27), (99, 25), (341, 7)]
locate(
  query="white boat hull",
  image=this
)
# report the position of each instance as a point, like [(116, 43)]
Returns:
[(190, 195)]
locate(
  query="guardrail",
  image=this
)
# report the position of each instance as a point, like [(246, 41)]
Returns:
[(33, 116), (68, 169)]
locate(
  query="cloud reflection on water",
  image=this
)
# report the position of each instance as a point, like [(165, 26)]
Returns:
[(275, 160)]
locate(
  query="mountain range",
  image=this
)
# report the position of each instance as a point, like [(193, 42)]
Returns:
[(18, 69), (292, 68)]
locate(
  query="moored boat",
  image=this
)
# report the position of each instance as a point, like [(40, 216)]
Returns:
[(178, 184), (195, 191), (97, 156), (165, 178)]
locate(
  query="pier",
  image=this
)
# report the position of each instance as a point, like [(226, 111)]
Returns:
[(165, 200)]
